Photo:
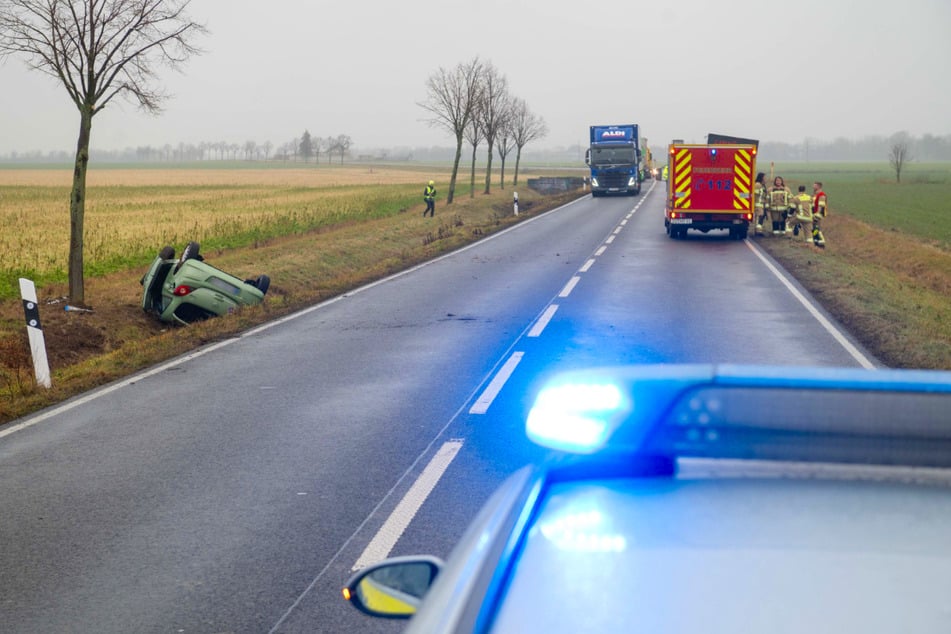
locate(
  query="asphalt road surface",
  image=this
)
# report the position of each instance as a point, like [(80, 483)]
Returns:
[(234, 489)]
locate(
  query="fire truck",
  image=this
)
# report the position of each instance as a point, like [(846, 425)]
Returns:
[(710, 187)]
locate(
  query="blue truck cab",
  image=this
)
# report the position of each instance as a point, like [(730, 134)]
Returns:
[(614, 158)]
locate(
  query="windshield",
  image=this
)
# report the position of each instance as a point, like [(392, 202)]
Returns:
[(612, 155)]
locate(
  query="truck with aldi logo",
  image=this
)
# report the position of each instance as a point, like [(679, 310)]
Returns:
[(710, 186), (614, 157)]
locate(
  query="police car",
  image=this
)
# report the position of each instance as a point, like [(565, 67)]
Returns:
[(705, 499)]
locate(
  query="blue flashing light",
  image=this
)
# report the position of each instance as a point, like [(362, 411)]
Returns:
[(578, 418)]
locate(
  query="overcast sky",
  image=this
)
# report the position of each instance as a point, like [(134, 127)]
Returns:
[(769, 70)]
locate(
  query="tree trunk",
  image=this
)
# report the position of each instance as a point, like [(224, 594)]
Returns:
[(77, 209), (502, 174), (488, 172), (472, 174), (455, 170), (518, 159)]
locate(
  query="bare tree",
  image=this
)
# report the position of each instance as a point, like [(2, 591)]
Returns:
[(451, 96), (98, 49), (493, 110), (899, 153), (526, 127), (504, 146), (250, 147), (474, 136), (267, 147), (342, 144)]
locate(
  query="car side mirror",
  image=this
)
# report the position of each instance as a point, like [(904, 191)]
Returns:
[(394, 587)]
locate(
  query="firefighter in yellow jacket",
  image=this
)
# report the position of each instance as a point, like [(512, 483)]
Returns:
[(802, 228), (759, 202), (779, 200)]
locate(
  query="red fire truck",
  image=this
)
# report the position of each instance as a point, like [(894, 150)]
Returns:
[(710, 187)]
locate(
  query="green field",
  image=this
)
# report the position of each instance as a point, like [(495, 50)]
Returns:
[(920, 206)]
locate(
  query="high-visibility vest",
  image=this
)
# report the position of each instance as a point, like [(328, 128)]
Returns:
[(779, 197), (819, 204), (804, 212), (759, 195), (429, 193)]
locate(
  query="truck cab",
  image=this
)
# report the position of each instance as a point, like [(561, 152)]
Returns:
[(614, 157)]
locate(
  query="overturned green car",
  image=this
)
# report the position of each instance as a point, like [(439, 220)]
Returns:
[(187, 289)]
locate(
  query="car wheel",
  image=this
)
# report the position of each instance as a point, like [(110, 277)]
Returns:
[(263, 283), (190, 252), (167, 253)]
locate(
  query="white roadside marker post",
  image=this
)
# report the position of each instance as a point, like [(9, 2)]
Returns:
[(516, 203), (41, 365)]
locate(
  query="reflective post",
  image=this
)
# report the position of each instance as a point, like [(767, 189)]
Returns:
[(34, 330)]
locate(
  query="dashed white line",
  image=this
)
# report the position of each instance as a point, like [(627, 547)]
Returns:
[(587, 265), (482, 404), (542, 322), (394, 526), (618, 230), (609, 240), (600, 252), (570, 286)]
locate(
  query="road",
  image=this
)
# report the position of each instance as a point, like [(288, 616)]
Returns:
[(234, 489)]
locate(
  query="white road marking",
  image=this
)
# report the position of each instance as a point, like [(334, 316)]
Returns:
[(570, 286), (542, 322), (624, 222), (385, 539), (825, 323), (609, 240), (587, 266), (482, 404), (600, 252), (618, 230)]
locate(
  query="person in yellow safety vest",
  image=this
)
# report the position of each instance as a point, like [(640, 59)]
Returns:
[(429, 195), (779, 200), (803, 217), (819, 211), (663, 173), (759, 202)]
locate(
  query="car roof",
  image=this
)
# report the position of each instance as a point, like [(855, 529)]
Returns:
[(717, 498), (732, 554)]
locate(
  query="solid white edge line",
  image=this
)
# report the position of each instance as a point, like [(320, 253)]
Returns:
[(542, 322), (825, 323), (570, 286), (11, 428), (395, 525), (482, 404), (587, 266)]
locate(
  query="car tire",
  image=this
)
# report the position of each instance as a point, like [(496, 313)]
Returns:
[(190, 252), (167, 253), (263, 283)]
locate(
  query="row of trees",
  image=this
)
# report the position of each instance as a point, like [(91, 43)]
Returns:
[(472, 102), (308, 147)]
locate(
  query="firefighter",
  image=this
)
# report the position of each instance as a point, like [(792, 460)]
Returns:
[(663, 173), (819, 211), (759, 202), (429, 195), (779, 200), (803, 217)]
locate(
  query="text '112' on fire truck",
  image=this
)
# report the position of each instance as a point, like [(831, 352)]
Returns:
[(615, 160), (710, 187)]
